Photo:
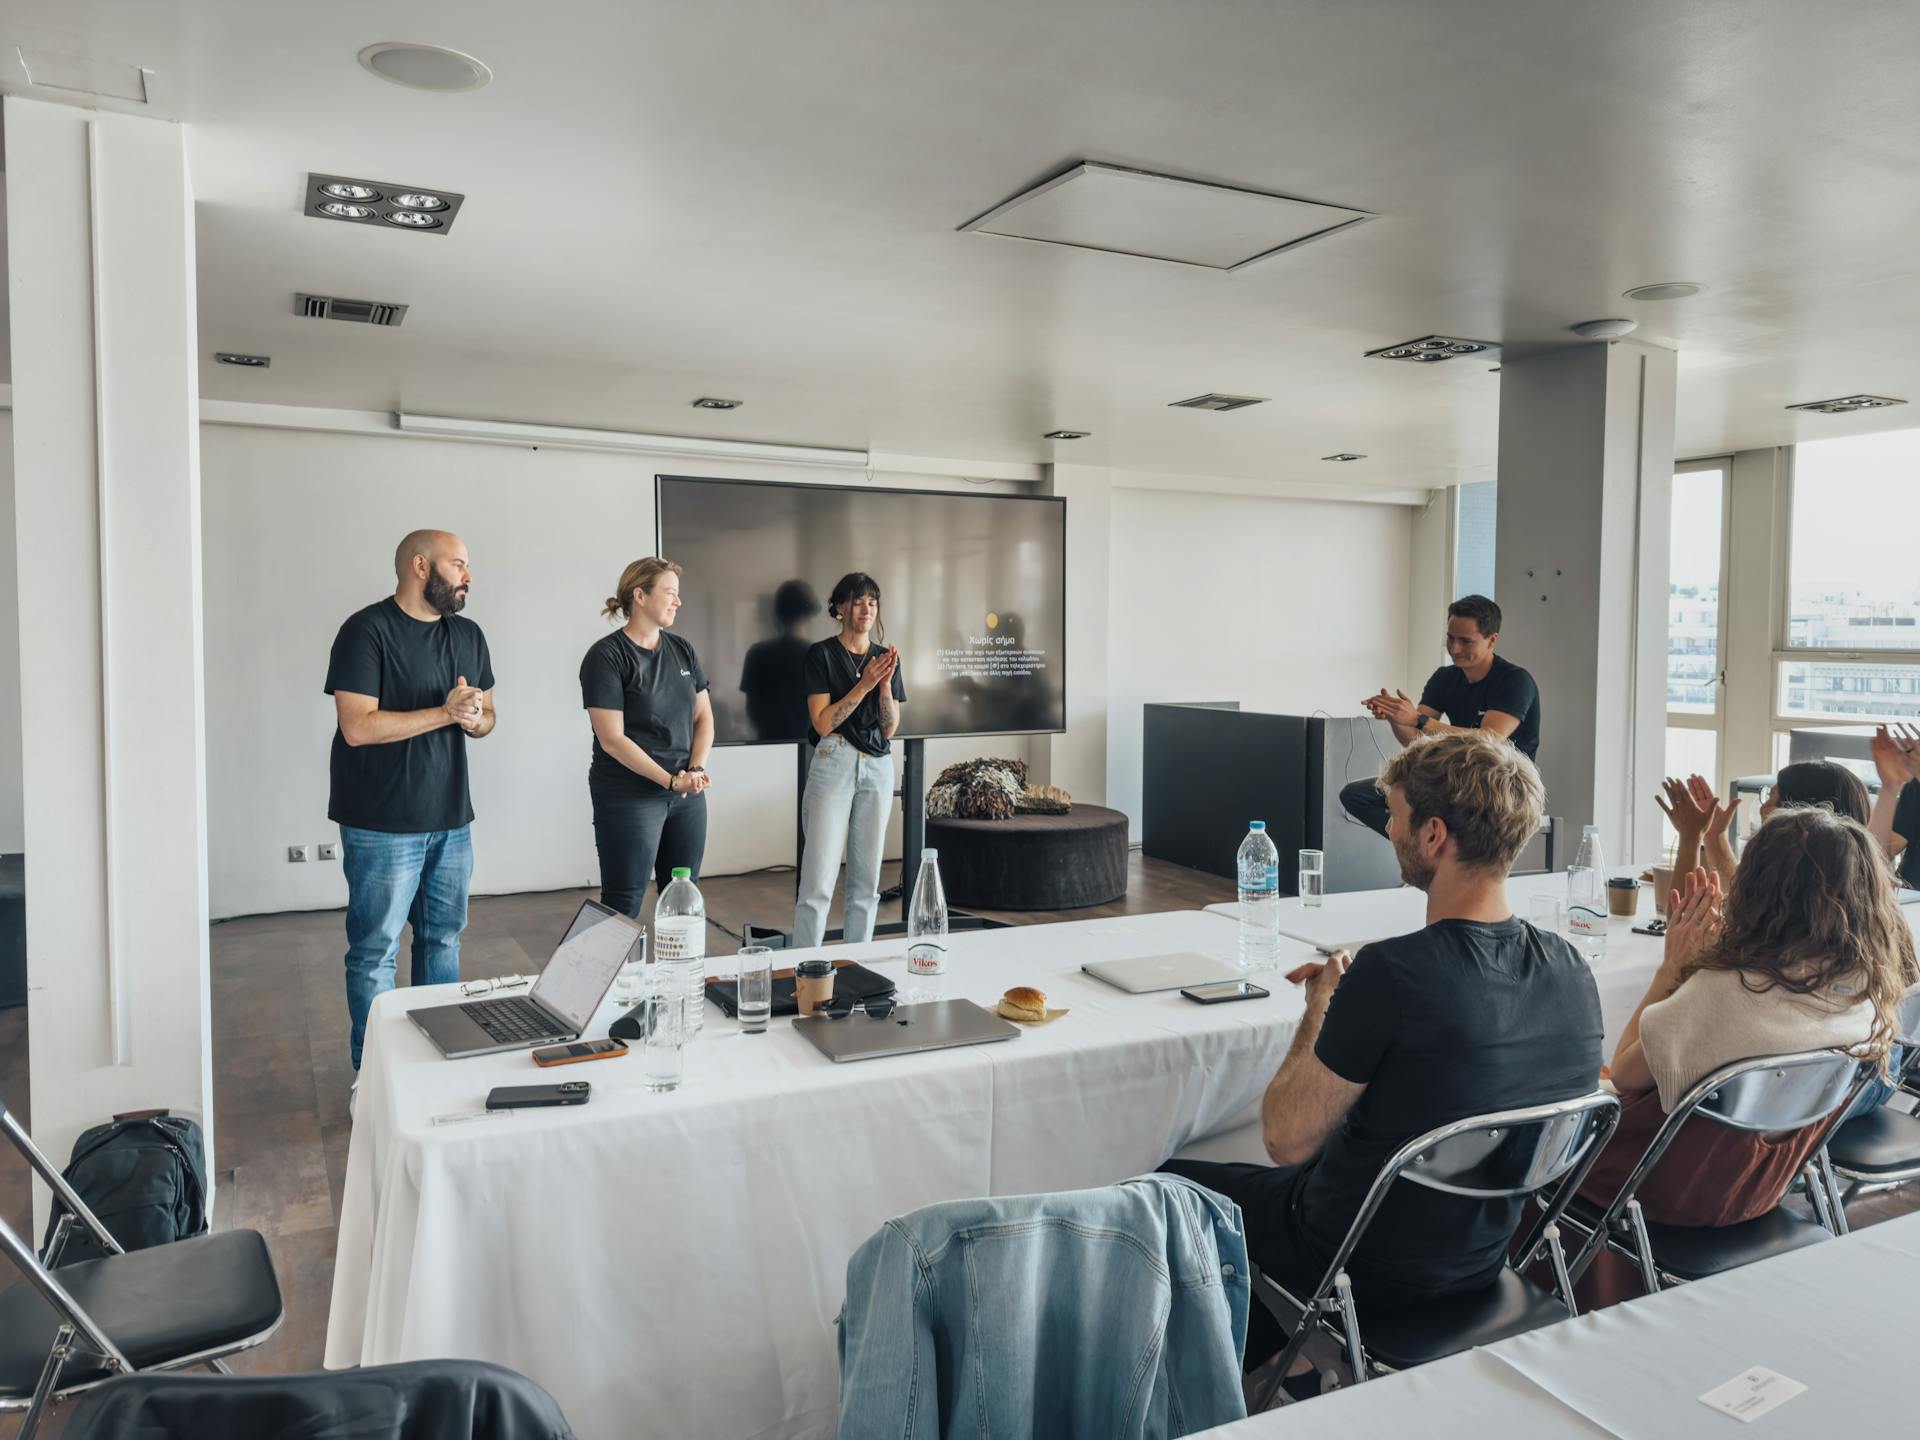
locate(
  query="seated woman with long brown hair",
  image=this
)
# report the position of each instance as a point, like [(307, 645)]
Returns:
[(1807, 951)]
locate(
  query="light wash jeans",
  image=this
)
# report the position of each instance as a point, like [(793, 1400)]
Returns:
[(1119, 1313), (396, 880), (844, 810)]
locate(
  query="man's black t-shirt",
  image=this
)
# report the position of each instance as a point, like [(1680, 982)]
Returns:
[(1458, 1019), (1906, 824), (405, 787), (654, 690), (1505, 687), (833, 670)]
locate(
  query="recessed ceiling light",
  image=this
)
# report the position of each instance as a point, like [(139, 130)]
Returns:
[(1847, 404), (1665, 290), (251, 362), (1344, 456), (1615, 329), (343, 211), (347, 190), (713, 402), (360, 201), (419, 200), (425, 67), (1066, 435), (1429, 348), (1213, 401), (414, 219)]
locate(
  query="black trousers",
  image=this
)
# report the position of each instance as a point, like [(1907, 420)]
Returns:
[(1363, 801), (646, 836), (1263, 1194)]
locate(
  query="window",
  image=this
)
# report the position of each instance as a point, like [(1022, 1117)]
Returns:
[(1473, 521), (1841, 690), (1693, 593), (1852, 582)]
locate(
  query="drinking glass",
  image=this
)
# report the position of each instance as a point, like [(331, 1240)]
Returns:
[(630, 985), (663, 1037), (754, 989), (1313, 877), (1545, 914)]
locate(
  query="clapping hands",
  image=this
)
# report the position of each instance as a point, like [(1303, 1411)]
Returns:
[(1896, 754), (463, 705), (1693, 808), (880, 668), (1694, 916), (1397, 708)]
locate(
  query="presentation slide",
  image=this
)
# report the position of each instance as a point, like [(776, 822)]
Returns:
[(973, 592)]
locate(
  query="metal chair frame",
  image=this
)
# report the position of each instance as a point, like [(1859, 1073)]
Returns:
[(1859, 1183), (1594, 1116), (79, 1334), (1740, 1087)]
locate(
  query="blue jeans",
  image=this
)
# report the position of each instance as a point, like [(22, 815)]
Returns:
[(844, 811), (396, 880)]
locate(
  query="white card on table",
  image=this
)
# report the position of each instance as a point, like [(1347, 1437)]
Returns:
[(1749, 1396)]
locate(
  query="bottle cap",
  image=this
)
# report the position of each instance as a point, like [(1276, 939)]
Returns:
[(1258, 825), (1589, 829), (681, 872), (929, 854)]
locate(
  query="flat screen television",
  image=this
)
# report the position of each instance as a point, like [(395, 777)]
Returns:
[(973, 592)]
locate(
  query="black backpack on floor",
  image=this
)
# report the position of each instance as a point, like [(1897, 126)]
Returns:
[(144, 1177)]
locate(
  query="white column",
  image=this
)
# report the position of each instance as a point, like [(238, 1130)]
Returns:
[(1077, 760), (1756, 572), (1586, 490), (100, 260)]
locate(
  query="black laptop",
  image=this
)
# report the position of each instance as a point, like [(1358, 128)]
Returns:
[(563, 999)]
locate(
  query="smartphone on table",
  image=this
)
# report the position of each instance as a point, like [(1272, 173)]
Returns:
[(1221, 991), (579, 1050), (529, 1097)]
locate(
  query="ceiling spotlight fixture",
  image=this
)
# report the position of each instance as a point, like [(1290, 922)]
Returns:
[(1847, 404), (425, 67), (374, 202), (251, 362), (1605, 329), (1429, 349), (1344, 456), (713, 402), (1665, 290), (1214, 401), (1066, 435)]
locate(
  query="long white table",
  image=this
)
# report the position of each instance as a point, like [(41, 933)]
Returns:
[(1831, 1317), (671, 1265)]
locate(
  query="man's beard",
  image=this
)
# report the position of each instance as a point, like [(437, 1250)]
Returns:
[(444, 596), (1416, 874)]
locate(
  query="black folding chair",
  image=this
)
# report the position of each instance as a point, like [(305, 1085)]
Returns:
[(1879, 1150), (1512, 1154), (165, 1308), (418, 1400), (1765, 1095)]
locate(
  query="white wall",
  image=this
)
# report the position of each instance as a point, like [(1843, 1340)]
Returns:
[(1429, 587), (13, 825), (1284, 605), (299, 532)]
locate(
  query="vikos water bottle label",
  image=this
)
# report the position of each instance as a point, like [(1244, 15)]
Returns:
[(924, 958)]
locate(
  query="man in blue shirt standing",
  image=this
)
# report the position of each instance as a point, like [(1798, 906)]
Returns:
[(1475, 690)]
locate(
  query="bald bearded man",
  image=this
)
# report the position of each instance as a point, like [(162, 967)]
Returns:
[(411, 683)]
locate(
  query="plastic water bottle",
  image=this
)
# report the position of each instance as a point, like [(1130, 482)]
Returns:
[(1259, 867), (1587, 894), (680, 944), (927, 935)]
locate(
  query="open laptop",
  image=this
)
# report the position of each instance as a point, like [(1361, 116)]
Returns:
[(940, 1025), (1144, 974), (563, 999)]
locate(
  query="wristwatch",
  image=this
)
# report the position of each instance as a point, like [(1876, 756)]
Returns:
[(1421, 723)]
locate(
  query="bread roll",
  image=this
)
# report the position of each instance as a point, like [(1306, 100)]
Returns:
[(1023, 1002)]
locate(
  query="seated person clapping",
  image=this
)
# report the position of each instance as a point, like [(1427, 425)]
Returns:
[(1701, 820), (1808, 950)]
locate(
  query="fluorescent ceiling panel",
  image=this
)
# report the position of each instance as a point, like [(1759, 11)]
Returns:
[(1161, 217)]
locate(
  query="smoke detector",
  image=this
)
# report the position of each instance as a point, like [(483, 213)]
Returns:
[(1605, 329), (1665, 290)]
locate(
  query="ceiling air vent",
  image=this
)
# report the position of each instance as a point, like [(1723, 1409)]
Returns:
[(361, 312), (1218, 402), (1847, 404)]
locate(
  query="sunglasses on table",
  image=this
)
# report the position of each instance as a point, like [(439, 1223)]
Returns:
[(877, 1007)]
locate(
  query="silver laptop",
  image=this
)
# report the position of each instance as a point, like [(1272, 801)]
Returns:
[(563, 999), (1144, 974), (910, 1028)]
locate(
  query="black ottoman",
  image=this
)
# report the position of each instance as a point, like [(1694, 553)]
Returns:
[(1033, 862)]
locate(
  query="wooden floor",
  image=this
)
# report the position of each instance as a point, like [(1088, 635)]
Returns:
[(281, 1073)]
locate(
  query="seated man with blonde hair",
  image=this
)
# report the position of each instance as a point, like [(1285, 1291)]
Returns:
[(1477, 1012)]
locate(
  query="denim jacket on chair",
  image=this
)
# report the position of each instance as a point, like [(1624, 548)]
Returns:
[(1111, 1313)]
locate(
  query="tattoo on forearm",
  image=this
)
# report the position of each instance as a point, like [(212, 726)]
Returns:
[(837, 716), (889, 707)]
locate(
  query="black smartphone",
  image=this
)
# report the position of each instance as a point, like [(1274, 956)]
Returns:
[(580, 1050), (1222, 991), (526, 1097)]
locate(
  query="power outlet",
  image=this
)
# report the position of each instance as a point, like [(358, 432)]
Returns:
[(298, 854), (329, 850)]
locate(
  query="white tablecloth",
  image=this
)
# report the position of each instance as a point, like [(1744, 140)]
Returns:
[(671, 1265), (1832, 1317)]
